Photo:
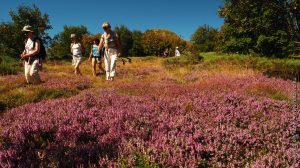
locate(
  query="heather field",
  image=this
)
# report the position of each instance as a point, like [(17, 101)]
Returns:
[(156, 113)]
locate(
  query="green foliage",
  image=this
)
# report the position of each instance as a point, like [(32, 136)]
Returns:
[(143, 161), (9, 65), (273, 67), (12, 38), (125, 38), (265, 27), (155, 41), (60, 47), (184, 60), (237, 45), (277, 45), (137, 48), (205, 38)]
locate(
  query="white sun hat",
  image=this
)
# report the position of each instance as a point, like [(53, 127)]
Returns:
[(27, 28), (73, 36)]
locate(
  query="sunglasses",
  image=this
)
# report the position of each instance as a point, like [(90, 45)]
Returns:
[(105, 28)]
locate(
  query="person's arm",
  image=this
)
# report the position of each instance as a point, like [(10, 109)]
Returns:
[(101, 45), (35, 51), (71, 48), (23, 53)]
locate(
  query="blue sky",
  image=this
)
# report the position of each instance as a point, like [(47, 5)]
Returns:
[(180, 16)]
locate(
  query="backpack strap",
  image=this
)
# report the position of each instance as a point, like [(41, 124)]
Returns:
[(34, 40)]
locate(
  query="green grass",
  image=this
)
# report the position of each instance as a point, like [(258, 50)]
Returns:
[(30, 94), (9, 65)]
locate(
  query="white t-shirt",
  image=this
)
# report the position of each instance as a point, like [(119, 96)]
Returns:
[(76, 49), (29, 46), (109, 40)]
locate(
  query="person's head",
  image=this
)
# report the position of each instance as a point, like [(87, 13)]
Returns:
[(73, 38), (96, 41), (176, 48), (106, 27), (29, 32)]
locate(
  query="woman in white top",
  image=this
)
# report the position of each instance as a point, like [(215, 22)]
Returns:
[(29, 55), (112, 50), (76, 51), (177, 53)]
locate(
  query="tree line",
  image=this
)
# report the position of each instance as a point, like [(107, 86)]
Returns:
[(269, 28)]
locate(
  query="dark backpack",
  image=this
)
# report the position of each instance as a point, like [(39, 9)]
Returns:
[(42, 54)]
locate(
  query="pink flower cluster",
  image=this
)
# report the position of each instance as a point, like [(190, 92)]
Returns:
[(167, 125)]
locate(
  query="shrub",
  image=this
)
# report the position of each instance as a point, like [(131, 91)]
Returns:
[(181, 126), (185, 60)]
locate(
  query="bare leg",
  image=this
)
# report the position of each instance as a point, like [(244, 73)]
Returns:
[(100, 66), (94, 61)]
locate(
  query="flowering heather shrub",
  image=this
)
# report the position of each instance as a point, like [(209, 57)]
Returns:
[(172, 126)]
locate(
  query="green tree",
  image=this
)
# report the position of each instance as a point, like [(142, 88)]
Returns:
[(60, 47), (205, 38), (12, 38), (137, 48), (125, 38), (267, 27)]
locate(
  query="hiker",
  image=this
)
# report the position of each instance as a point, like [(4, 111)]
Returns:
[(166, 52), (76, 50), (30, 56), (110, 41), (95, 57), (177, 53)]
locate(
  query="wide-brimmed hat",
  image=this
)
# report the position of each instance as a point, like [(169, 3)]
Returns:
[(106, 25), (73, 36), (27, 28)]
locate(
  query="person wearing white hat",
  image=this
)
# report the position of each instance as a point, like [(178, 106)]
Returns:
[(177, 53), (76, 50), (110, 41), (30, 56)]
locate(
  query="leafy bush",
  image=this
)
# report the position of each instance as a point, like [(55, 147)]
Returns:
[(155, 41)]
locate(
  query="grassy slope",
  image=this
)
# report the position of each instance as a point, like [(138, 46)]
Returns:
[(60, 81)]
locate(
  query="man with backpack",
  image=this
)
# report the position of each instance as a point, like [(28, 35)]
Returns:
[(32, 55)]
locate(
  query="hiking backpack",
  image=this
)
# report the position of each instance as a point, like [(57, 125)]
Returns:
[(42, 54)]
